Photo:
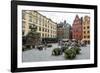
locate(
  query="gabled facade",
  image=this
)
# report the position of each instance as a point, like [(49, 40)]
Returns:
[(77, 32)]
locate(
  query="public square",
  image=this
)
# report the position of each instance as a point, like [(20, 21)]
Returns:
[(35, 55), (48, 28)]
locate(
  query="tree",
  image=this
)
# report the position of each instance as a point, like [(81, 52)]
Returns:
[(32, 38)]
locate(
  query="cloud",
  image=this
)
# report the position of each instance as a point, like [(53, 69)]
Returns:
[(61, 16)]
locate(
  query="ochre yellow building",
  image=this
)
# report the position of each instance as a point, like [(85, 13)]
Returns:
[(45, 26), (86, 29)]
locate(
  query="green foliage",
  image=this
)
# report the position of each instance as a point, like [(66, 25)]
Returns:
[(32, 38), (56, 52), (33, 34), (26, 47), (33, 28), (77, 49), (70, 54), (77, 45), (64, 48), (50, 40)]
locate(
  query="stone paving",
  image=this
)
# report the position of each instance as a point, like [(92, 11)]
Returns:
[(35, 55)]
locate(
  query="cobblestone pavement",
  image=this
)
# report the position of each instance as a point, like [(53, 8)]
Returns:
[(35, 55)]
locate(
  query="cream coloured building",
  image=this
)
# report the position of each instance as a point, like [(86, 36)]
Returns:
[(45, 26), (86, 29)]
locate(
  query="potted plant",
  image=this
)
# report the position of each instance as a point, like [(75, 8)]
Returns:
[(70, 54), (56, 51), (77, 49)]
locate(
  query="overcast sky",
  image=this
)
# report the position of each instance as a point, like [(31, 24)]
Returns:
[(61, 16)]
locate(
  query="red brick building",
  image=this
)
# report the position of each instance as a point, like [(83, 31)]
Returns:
[(77, 28)]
